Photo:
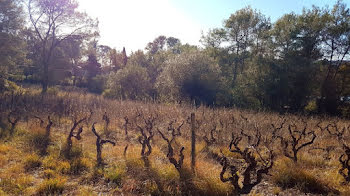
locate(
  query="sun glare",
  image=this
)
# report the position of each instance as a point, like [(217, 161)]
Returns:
[(134, 23)]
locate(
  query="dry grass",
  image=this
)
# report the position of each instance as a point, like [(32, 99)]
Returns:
[(290, 175), (32, 164)]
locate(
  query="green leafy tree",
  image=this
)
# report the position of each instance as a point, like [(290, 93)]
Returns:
[(131, 82), (190, 76), (156, 45), (12, 47), (243, 30), (336, 49)]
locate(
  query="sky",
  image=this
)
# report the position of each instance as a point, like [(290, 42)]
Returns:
[(134, 23)]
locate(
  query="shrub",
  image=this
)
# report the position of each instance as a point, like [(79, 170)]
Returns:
[(311, 107), (97, 84), (190, 76), (132, 82)]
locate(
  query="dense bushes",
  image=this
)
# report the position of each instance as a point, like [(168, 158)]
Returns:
[(191, 76), (131, 82)]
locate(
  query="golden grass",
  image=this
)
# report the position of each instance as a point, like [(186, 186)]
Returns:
[(32, 161), (115, 174), (52, 186), (25, 170), (207, 179), (287, 174)]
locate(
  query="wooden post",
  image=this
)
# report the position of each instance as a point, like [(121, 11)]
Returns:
[(193, 143)]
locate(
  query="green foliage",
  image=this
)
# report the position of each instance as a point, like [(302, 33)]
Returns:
[(12, 47), (132, 82), (97, 84), (311, 107), (191, 76)]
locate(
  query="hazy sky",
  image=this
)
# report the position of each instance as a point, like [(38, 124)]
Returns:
[(134, 23)]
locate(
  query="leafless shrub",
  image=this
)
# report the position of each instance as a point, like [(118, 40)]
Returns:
[(344, 160), (210, 141), (40, 120), (146, 130), (277, 128), (99, 144), (296, 140), (254, 166), (68, 148), (48, 127), (13, 118), (125, 126), (177, 163), (334, 130)]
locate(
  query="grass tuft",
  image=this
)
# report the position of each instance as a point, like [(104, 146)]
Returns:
[(32, 162), (289, 175), (115, 174), (52, 186), (39, 142), (77, 166)]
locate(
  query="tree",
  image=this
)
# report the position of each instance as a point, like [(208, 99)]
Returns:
[(103, 52), (131, 82), (173, 44), (336, 48), (118, 60), (53, 22), (241, 30), (190, 76), (156, 45), (12, 48), (296, 41), (124, 57)]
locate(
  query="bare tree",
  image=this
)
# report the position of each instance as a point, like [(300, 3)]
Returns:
[(344, 159), (334, 130)]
